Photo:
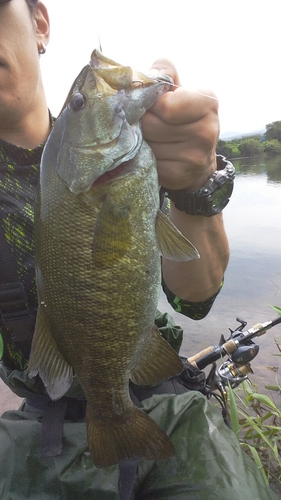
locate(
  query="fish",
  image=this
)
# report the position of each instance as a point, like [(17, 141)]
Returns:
[(99, 237)]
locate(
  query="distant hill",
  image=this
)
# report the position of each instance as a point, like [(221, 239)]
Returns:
[(228, 136)]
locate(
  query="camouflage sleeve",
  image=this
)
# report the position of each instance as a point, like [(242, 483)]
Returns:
[(193, 310), (171, 332)]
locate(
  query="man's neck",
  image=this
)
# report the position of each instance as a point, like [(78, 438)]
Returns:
[(30, 131)]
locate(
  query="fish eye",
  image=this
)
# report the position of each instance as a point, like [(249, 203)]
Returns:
[(77, 102)]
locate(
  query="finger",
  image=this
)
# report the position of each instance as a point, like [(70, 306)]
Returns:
[(178, 179), (183, 106), (189, 175), (201, 133), (156, 129), (180, 151), (166, 67)]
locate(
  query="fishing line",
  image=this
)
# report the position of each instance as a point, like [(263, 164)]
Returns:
[(204, 95), (193, 91)]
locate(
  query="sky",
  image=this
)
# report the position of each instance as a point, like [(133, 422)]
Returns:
[(229, 46)]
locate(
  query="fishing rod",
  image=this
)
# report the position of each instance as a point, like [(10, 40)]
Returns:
[(240, 349)]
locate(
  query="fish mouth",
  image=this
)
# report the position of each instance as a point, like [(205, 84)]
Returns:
[(111, 175)]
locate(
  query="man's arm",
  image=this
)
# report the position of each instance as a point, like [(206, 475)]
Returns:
[(182, 129)]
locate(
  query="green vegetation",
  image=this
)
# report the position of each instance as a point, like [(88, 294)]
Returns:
[(256, 419), (268, 143)]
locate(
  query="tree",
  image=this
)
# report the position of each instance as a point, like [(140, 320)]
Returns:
[(250, 147), (272, 147), (224, 148), (273, 131)]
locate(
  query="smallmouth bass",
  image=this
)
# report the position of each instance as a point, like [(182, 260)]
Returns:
[(99, 236)]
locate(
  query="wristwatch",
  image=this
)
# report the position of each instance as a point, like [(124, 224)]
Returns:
[(212, 197)]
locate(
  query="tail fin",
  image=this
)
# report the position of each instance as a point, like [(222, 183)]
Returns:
[(135, 435)]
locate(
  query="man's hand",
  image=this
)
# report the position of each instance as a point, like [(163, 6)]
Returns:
[(182, 129)]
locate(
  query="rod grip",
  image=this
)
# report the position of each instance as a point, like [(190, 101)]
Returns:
[(192, 360), (214, 352)]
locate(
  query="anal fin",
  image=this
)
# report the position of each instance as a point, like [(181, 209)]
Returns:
[(158, 362)]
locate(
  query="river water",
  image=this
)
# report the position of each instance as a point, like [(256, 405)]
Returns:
[(253, 277)]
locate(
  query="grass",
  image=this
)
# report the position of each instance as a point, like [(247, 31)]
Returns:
[(256, 420)]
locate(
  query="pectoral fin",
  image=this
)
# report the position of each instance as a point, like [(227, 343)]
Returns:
[(47, 361), (172, 243), (158, 362)]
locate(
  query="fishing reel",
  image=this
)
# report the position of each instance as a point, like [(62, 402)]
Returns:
[(232, 374), (236, 368), (240, 349)]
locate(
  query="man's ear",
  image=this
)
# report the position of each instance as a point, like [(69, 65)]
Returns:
[(42, 25)]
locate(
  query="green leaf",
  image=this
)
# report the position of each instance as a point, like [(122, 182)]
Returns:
[(262, 398), (273, 427), (273, 387), (267, 416), (233, 412), (277, 309), (258, 430), (257, 461)]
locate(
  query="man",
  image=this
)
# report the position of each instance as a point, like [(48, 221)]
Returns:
[(182, 129)]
